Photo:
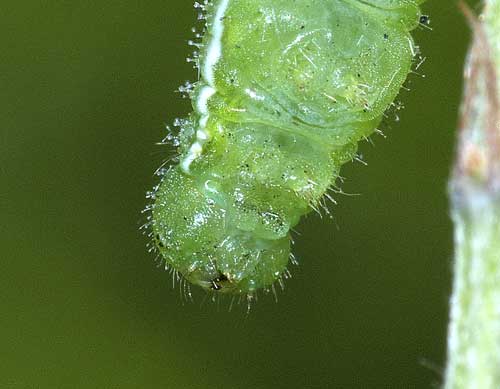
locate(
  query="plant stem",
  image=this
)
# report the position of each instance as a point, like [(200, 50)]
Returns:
[(474, 332)]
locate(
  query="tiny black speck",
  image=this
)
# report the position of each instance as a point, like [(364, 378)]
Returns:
[(424, 19)]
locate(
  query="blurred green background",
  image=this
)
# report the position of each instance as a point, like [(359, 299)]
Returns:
[(87, 88)]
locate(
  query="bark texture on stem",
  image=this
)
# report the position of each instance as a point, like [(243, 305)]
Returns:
[(474, 332)]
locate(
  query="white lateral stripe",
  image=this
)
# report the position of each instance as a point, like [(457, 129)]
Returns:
[(214, 50), (194, 152), (202, 102), (213, 55)]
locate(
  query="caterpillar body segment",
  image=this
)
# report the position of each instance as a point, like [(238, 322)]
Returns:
[(286, 90)]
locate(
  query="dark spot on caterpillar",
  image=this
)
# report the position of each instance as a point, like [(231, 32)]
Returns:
[(158, 241), (215, 284), (424, 19), (386, 36)]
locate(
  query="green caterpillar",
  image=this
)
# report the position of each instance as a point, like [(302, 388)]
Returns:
[(286, 90)]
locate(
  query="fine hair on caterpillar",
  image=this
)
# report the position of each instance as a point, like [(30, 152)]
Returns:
[(285, 92)]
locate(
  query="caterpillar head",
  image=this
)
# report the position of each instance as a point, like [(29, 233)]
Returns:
[(192, 232)]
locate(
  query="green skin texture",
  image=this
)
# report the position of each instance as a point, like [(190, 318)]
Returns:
[(324, 72)]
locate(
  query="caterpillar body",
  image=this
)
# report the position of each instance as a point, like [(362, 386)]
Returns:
[(286, 90)]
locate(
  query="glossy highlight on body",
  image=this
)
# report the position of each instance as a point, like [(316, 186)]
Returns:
[(286, 91)]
